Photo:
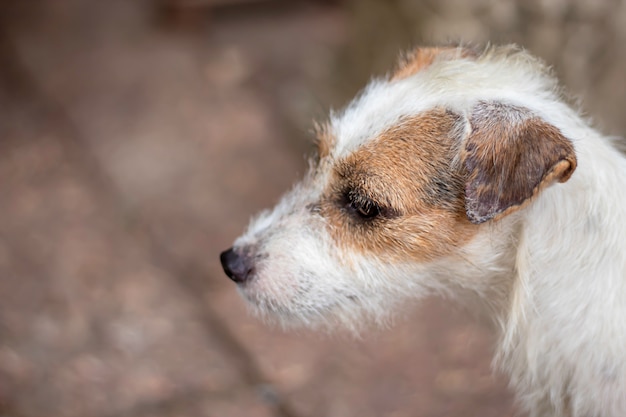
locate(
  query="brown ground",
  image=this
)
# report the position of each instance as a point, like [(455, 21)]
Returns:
[(131, 154)]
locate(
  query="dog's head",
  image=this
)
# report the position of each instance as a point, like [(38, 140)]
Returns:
[(408, 180)]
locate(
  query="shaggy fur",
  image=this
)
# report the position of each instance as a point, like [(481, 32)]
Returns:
[(464, 173)]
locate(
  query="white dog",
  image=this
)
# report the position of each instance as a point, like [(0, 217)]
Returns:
[(464, 173)]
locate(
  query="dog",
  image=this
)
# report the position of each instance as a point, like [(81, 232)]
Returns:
[(463, 173)]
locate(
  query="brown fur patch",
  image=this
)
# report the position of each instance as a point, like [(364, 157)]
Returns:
[(422, 58), (409, 174), (325, 140), (509, 157)]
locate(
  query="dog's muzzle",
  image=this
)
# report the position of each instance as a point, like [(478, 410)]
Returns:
[(238, 266)]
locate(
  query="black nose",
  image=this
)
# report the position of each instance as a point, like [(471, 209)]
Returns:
[(237, 266)]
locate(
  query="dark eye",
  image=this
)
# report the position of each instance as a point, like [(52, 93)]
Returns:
[(363, 207), (366, 210)]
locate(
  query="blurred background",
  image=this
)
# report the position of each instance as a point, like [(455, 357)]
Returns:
[(137, 137)]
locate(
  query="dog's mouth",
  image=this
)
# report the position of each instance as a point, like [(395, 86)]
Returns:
[(295, 302), (286, 284)]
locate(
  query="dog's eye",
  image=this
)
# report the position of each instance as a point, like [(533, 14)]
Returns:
[(367, 210), (363, 208)]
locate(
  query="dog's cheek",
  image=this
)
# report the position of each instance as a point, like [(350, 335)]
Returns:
[(418, 238), (427, 237)]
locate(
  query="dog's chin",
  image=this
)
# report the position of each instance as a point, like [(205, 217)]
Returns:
[(333, 311), (289, 310)]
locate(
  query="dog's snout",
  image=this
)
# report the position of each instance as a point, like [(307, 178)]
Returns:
[(236, 265)]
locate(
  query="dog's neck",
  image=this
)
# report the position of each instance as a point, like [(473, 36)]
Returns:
[(554, 268)]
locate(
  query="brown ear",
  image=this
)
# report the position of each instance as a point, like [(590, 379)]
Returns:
[(509, 156)]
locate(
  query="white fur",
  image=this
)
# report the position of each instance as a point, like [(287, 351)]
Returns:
[(552, 276)]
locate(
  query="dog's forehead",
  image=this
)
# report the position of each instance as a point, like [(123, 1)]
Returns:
[(455, 83), (380, 106)]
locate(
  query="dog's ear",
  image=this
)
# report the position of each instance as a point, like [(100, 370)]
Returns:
[(508, 157)]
